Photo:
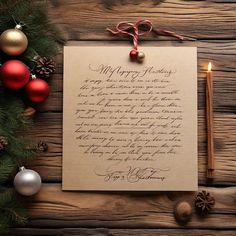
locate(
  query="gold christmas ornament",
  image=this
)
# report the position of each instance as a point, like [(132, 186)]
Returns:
[(13, 41)]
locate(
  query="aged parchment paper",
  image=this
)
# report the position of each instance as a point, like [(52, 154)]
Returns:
[(130, 126)]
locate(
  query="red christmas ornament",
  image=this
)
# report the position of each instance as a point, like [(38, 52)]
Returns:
[(133, 54), (14, 74), (37, 90)]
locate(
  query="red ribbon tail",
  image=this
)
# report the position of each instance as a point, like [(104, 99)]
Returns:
[(169, 33), (112, 31)]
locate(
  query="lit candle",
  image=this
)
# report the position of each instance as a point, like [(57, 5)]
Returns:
[(210, 131)]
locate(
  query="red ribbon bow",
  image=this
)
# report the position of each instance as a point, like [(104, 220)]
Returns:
[(134, 31)]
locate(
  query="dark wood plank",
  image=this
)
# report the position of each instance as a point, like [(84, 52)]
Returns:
[(52, 207), (48, 127), (88, 19), (221, 53), (116, 232)]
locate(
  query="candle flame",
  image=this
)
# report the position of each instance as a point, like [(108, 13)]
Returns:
[(209, 66)]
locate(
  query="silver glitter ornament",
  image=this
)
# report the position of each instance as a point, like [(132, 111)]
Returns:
[(27, 182)]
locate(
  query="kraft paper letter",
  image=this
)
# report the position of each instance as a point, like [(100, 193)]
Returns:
[(130, 125)]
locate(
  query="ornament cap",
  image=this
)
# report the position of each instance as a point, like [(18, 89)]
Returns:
[(33, 77), (21, 168), (18, 27)]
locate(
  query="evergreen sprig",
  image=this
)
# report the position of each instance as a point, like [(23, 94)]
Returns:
[(14, 212), (42, 37), (12, 126)]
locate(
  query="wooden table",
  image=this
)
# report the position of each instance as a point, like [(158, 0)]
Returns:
[(213, 24)]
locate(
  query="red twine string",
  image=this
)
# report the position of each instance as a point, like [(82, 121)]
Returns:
[(132, 30)]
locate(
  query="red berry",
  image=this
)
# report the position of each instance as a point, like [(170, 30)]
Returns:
[(133, 54)]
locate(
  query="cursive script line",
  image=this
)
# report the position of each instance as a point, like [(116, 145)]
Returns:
[(131, 174)]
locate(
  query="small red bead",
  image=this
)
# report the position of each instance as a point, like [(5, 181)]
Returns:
[(133, 54)]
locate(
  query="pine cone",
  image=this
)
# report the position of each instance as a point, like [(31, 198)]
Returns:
[(44, 67), (204, 202), (42, 146), (3, 143)]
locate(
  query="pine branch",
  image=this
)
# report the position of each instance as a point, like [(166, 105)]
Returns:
[(13, 125), (3, 225), (10, 207), (42, 36), (6, 168)]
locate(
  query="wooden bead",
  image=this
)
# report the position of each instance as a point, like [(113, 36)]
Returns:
[(140, 57), (183, 212)]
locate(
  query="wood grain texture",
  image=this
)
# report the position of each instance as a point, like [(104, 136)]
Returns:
[(201, 19), (48, 127), (116, 232), (222, 54), (213, 24), (52, 207)]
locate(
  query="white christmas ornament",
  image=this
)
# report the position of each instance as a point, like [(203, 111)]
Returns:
[(27, 182)]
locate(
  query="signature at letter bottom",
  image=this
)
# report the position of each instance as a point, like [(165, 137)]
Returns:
[(131, 174)]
